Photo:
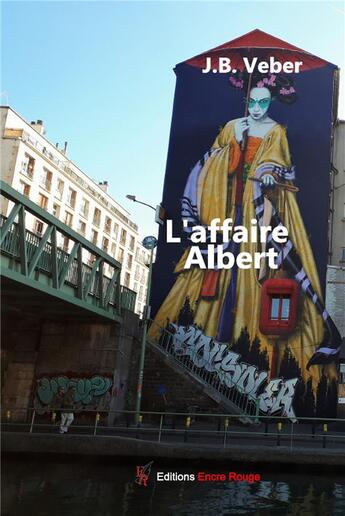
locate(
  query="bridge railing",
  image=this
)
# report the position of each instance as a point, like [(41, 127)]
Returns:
[(198, 428), (31, 254)]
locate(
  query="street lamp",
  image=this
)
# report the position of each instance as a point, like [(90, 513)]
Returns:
[(150, 243), (160, 215), (134, 199)]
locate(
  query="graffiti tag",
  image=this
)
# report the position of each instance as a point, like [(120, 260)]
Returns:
[(207, 353), (85, 388)]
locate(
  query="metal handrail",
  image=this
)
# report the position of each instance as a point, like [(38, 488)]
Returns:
[(242, 401), (177, 413), (225, 426)]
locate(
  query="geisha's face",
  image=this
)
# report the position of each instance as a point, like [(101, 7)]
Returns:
[(259, 102)]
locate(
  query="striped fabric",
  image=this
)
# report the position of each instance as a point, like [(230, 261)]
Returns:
[(288, 257), (284, 174), (190, 213)]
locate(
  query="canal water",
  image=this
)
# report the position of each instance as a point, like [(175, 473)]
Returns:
[(57, 488)]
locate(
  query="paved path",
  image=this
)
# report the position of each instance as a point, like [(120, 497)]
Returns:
[(141, 451)]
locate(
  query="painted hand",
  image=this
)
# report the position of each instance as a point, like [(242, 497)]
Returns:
[(268, 181), (240, 127)]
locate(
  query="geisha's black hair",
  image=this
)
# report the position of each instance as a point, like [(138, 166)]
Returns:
[(280, 86)]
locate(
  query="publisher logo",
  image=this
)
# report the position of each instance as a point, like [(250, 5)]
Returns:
[(143, 473)]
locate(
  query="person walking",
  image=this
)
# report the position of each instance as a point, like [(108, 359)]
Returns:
[(65, 401)]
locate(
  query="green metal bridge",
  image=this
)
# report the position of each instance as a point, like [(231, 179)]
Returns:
[(39, 277)]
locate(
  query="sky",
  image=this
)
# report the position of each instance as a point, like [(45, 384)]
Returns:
[(100, 74)]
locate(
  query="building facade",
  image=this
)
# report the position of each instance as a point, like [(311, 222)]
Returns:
[(337, 201), (335, 288), (38, 169)]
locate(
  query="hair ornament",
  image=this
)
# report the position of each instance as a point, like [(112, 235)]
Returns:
[(267, 81), (287, 91), (237, 83)]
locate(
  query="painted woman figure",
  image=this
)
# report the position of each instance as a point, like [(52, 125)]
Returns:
[(224, 302)]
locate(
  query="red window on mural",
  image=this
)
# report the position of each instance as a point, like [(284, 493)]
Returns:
[(279, 303), (280, 308)]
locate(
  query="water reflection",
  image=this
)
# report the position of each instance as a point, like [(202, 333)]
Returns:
[(89, 489)]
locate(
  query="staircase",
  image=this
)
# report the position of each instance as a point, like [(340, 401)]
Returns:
[(169, 349)]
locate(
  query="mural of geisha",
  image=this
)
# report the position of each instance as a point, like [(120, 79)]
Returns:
[(248, 175)]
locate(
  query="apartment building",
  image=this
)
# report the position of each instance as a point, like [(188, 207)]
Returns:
[(40, 170), (335, 287)]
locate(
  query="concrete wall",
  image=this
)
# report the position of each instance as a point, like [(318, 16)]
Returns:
[(36, 351), (20, 344)]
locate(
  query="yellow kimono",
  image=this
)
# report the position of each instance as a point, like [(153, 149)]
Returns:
[(216, 198)]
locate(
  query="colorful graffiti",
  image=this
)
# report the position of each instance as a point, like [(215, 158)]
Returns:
[(207, 353), (91, 392)]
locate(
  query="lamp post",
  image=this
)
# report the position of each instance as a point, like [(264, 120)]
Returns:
[(159, 210), (134, 199), (150, 243)]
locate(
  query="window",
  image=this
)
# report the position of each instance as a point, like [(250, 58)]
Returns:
[(38, 227), (342, 258), (141, 293), (94, 237), (71, 197), (91, 260), (107, 225), (65, 245), (24, 188), (116, 231), (127, 279), (84, 208), (143, 276), (68, 218), (280, 308), (56, 210), (96, 217), (137, 273), (105, 244), (59, 189), (46, 179), (140, 255), (81, 227), (131, 243), (42, 201), (342, 373), (120, 255), (123, 237), (129, 261), (279, 304), (113, 250), (135, 287), (28, 165)]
